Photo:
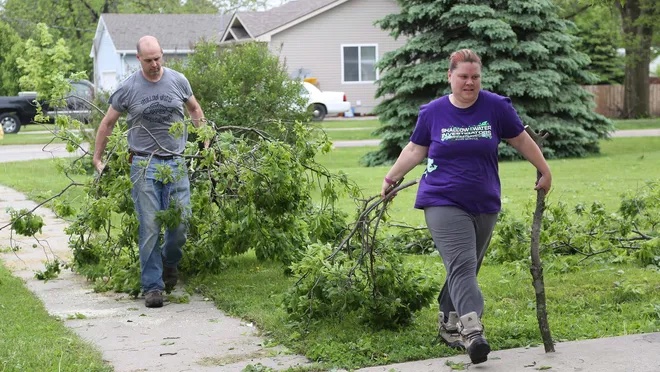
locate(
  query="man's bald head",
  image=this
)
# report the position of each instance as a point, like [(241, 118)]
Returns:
[(150, 55), (148, 42)]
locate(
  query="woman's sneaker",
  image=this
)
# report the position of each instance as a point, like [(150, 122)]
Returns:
[(448, 331), (472, 334)]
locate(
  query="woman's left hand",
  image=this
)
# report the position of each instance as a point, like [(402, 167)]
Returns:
[(545, 183)]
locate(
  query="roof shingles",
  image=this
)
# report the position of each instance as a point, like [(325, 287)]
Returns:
[(176, 32), (259, 23), (173, 31)]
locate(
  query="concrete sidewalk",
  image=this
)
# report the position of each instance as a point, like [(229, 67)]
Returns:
[(194, 336), (634, 353), (637, 133)]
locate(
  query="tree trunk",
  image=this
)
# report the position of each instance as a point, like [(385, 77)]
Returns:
[(638, 33)]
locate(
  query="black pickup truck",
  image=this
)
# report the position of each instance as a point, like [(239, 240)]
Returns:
[(20, 110)]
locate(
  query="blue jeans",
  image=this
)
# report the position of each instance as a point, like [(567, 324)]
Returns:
[(151, 195)]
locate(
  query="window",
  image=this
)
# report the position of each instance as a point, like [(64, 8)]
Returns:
[(359, 63)]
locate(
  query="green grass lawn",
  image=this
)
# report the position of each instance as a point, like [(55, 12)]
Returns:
[(37, 128), (32, 340), (587, 296), (350, 123), (350, 129), (337, 130), (637, 124), (623, 166), (593, 299), (351, 134), (32, 134), (347, 129), (40, 179)]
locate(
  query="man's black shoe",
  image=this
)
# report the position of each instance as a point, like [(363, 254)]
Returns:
[(170, 277), (153, 299)]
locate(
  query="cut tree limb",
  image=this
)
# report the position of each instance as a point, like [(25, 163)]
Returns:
[(537, 269)]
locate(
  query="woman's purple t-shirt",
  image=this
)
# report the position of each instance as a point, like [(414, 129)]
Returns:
[(462, 164)]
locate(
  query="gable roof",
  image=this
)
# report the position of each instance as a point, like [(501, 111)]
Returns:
[(256, 24), (259, 23), (175, 32)]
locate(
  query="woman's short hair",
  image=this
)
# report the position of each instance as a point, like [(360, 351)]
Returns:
[(463, 55)]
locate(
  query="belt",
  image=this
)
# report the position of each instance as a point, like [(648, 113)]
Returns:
[(155, 156)]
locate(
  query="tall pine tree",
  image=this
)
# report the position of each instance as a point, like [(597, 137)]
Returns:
[(600, 43), (527, 55), (598, 27)]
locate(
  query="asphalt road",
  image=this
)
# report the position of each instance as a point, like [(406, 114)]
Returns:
[(11, 153)]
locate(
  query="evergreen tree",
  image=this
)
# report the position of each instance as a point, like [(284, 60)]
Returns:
[(527, 55), (600, 44), (598, 28)]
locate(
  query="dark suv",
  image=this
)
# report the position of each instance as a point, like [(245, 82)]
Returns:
[(20, 110)]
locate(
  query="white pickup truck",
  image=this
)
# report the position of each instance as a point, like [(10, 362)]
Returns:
[(323, 103)]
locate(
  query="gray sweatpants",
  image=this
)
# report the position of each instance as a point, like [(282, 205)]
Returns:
[(461, 239)]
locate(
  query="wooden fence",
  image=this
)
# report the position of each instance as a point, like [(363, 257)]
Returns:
[(609, 99)]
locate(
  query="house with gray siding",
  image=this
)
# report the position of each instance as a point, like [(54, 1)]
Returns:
[(334, 42)]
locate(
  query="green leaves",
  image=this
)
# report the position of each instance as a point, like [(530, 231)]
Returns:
[(589, 231), (25, 223), (259, 197), (51, 271), (384, 293), (256, 187), (11, 47), (458, 15), (649, 253), (46, 66), (244, 86)]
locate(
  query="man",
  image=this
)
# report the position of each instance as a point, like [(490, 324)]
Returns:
[(154, 98)]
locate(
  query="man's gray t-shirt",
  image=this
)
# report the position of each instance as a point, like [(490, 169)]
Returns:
[(152, 109)]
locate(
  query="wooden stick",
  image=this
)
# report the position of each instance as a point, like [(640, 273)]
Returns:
[(537, 269)]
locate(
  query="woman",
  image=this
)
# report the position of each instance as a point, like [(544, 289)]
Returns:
[(460, 189)]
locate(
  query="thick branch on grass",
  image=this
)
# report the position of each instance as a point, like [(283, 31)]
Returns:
[(641, 235)]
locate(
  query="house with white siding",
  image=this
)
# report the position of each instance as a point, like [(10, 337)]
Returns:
[(334, 42)]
